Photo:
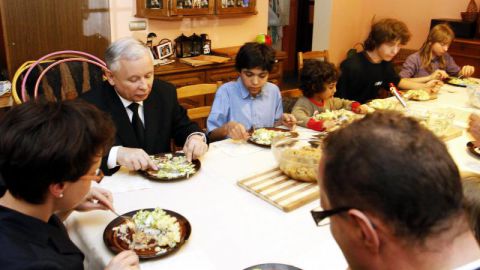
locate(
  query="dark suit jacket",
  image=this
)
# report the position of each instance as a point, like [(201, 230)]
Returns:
[(164, 118)]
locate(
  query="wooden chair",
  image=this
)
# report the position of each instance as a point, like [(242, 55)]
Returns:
[(198, 90), (317, 55), (289, 98), (58, 76), (400, 58)]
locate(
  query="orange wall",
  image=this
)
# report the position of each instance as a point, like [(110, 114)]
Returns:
[(350, 21), (223, 32)]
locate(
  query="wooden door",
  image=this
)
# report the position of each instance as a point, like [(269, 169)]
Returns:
[(33, 28)]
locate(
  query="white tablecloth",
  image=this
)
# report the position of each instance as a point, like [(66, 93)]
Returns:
[(231, 228)]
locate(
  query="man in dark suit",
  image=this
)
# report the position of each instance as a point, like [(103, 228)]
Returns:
[(145, 111)]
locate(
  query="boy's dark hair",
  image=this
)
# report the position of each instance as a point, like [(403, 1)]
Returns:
[(255, 55), (45, 142), (314, 75), (386, 30), (471, 203), (393, 167)]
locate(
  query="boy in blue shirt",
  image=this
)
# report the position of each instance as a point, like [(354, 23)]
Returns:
[(250, 101)]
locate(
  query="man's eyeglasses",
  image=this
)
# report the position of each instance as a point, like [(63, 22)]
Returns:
[(321, 217), (97, 177)]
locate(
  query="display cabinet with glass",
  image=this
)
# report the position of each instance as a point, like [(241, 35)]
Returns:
[(152, 8), (192, 7), (176, 9), (235, 7)]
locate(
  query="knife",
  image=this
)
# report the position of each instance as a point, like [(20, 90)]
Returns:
[(394, 91)]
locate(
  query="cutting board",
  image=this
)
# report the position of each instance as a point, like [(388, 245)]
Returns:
[(202, 60), (279, 190)]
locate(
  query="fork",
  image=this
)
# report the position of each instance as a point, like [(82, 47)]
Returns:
[(126, 218)]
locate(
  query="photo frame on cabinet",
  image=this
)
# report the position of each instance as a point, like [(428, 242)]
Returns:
[(164, 50)]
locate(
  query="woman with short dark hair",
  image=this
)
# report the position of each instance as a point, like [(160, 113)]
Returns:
[(49, 154)]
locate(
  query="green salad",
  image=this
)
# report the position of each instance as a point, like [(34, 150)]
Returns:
[(170, 166)]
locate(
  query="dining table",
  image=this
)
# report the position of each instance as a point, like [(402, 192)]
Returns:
[(230, 227)]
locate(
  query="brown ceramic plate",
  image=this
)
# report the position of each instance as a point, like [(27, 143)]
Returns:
[(473, 149), (272, 266), (293, 134), (151, 174), (116, 245)]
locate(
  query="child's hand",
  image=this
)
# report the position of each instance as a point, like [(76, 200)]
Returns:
[(289, 121), (329, 124), (434, 86), (474, 127), (438, 75), (466, 71), (363, 109)]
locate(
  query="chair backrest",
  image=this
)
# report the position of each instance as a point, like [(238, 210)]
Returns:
[(318, 55), (59, 75), (289, 98), (64, 81), (400, 58), (197, 90)]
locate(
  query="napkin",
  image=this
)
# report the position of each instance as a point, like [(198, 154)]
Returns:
[(124, 182), (236, 148)]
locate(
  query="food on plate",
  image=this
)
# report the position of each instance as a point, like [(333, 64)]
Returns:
[(172, 166), (385, 104), (150, 230), (264, 136), (339, 117), (298, 158), (420, 95), (462, 81)]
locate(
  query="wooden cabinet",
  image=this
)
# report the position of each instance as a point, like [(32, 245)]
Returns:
[(466, 52), (177, 9), (31, 29), (181, 74)]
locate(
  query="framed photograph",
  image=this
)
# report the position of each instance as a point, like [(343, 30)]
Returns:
[(164, 50)]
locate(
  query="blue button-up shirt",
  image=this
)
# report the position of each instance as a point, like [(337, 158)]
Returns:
[(233, 102)]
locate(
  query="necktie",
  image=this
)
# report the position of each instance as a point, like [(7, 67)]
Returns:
[(137, 124)]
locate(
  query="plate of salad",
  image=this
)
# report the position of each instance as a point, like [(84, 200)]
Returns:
[(263, 136), (151, 233), (172, 167), (461, 82)]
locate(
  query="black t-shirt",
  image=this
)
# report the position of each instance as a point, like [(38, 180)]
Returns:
[(362, 80), (29, 243)]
